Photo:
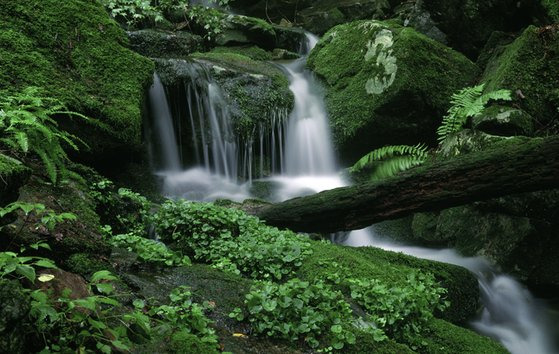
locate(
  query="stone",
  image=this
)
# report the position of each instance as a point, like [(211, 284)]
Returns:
[(384, 85), (164, 44)]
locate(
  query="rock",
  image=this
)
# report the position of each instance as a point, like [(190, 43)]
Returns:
[(75, 52), (257, 93), (82, 235), (241, 30), (164, 44), (14, 317), (383, 84), (529, 67), (392, 268), (504, 121), (516, 232), (62, 282)]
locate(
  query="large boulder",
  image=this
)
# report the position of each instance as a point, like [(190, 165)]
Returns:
[(529, 67), (76, 53), (516, 232), (385, 84)]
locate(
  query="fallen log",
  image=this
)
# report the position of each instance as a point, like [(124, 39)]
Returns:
[(508, 168)]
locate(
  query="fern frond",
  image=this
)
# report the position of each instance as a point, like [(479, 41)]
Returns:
[(392, 158), (466, 103)]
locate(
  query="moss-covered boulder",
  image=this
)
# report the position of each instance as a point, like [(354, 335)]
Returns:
[(504, 121), (78, 54), (516, 232), (256, 92), (384, 84), (67, 237), (392, 268), (164, 44), (529, 67)]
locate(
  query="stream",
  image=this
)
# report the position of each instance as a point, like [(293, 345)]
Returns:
[(303, 162)]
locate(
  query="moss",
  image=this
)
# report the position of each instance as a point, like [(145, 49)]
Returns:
[(77, 54), (552, 8), (504, 121), (529, 66), (184, 342), (85, 264), (383, 84), (257, 90), (444, 337), (253, 52), (365, 344), (392, 268)]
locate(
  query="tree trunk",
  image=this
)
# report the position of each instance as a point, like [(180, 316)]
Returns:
[(507, 168)]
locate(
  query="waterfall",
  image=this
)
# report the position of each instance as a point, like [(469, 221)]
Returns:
[(510, 313), (167, 150)]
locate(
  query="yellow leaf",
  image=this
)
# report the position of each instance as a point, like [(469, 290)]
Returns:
[(45, 277), (241, 335)]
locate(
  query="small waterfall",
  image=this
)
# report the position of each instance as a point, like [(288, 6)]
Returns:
[(221, 160), (511, 314), (168, 152)]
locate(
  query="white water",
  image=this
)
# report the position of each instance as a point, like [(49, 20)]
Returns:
[(305, 162), (511, 314), (164, 126)]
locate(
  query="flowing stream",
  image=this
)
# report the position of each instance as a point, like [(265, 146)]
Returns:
[(302, 162)]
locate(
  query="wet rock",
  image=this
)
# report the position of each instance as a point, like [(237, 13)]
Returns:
[(504, 121), (164, 44)]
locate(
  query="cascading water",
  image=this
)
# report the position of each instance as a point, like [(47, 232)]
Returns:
[(511, 314), (302, 152), (169, 153)]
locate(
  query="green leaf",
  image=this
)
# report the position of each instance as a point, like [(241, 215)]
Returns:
[(102, 275), (26, 271)]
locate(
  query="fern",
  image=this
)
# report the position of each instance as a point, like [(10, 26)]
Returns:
[(466, 103), (27, 125), (389, 160)]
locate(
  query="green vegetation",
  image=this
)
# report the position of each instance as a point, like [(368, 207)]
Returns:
[(148, 251), (389, 160), (298, 310), (27, 124), (230, 239), (467, 103), (76, 53)]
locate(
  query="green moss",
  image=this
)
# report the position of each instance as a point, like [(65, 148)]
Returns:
[(365, 344), (392, 268), (184, 342), (552, 8), (77, 54), (529, 66), (384, 84), (85, 264), (446, 338), (253, 52), (15, 329), (257, 90)]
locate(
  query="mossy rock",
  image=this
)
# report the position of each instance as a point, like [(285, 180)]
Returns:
[(256, 92), (444, 337), (392, 268), (529, 68), (164, 44), (12, 175), (383, 84), (245, 30), (82, 235), (78, 54), (253, 52), (504, 121)]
